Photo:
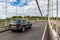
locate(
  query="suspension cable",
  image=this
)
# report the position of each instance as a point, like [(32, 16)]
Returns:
[(52, 12), (6, 13), (16, 12), (57, 15), (48, 10), (39, 7)]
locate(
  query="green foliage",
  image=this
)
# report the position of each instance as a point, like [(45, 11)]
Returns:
[(29, 18)]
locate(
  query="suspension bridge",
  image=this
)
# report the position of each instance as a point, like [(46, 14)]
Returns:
[(47, 29)]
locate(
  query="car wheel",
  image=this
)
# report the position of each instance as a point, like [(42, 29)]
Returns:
[(30, 26), (23, 29)]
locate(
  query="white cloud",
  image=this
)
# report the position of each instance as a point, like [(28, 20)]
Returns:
[(30, 9)]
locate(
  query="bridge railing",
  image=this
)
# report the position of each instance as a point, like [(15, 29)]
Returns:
[(50, 33), (53, 34)]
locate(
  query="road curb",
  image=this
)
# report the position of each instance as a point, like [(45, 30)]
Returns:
[(4, 31)]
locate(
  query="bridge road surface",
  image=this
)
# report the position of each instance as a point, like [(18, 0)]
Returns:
[(32, 34)]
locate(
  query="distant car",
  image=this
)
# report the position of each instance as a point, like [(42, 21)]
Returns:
[(19, 25)]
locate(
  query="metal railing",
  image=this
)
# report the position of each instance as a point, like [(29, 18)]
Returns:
[(53, 33), (50, 33)]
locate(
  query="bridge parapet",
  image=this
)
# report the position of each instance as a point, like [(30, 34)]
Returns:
[(54, 35), (50, 33)]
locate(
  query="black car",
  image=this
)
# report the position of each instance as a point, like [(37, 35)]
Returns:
[(19, 25)]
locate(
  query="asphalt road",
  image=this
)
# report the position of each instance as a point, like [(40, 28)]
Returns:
[(32, 34)]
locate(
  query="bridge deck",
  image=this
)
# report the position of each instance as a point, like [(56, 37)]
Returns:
[(34, 34)]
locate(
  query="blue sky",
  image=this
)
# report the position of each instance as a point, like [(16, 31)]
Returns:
[(25, 7), (20, 3)]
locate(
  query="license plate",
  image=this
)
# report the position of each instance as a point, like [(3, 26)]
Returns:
[(13, 26)]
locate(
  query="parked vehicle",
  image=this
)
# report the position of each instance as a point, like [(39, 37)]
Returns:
[(19, 25)]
